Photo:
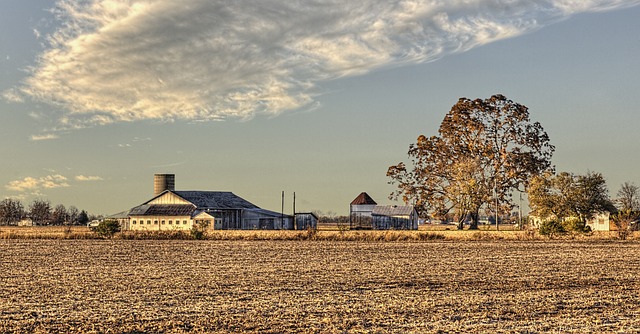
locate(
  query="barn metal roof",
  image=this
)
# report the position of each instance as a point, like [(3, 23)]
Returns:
[(363, 199), (119, 215), (215, 200), (270, 213), (392, 210), (163, 210)]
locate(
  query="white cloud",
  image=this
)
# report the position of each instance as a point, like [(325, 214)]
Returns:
[(48, 136), (35, 184), (127, 60), (27, 183), (83, 178), (11, 95)]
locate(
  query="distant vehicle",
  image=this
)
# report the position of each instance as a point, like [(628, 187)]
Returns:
[(93, 224)]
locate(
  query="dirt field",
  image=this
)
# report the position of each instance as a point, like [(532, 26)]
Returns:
[(319, 286)]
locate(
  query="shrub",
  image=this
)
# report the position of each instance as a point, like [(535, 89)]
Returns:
[(575, 225), (551, 228), (624, 222), (107, 228), (198, 229)]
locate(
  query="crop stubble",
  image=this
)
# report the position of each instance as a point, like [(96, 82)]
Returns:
[(308, 286)]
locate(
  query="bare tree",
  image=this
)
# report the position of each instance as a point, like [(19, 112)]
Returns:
[(40, 212), (628, 197), (623, 221), (59, 215), (11, 211), (72, 213)]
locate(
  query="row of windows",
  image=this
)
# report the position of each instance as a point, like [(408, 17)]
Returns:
[(155, 222)]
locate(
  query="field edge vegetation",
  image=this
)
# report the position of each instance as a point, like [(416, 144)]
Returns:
[(75, 232)]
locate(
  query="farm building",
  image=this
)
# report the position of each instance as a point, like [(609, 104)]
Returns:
[(394, 217), (600, 222), (360, 211), (181, 210), (365, 213), (25, 222), (306, 220)]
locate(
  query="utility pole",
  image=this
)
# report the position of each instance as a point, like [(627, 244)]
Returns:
[(520, 225), (495, 193), (295, 223), (282, 211)]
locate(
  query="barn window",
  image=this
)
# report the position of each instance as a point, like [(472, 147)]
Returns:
[(133, 222), (171, 222), (163, 222), (155, 222), (184, 222), (148, 222)]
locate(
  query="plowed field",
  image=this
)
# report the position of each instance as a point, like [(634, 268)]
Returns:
[(318, 286)]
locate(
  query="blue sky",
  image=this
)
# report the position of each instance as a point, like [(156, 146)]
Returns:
[(257, 97)]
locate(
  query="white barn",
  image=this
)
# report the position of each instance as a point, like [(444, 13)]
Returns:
[(181, 210)]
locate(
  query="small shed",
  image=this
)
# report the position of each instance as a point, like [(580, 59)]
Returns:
[(394, 217), (25, 222), (261, 219), (306, 221)]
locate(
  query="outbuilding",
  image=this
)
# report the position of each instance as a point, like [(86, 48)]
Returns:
[(306, 221), (394, 217)]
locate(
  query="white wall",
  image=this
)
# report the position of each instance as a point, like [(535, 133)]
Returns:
[(156, 223)]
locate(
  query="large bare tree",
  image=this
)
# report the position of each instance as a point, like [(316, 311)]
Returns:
[(485, 150)]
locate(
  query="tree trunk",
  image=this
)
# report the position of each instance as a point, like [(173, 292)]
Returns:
[(474, 221)]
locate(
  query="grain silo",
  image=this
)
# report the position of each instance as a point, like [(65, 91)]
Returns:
[(162, 182)]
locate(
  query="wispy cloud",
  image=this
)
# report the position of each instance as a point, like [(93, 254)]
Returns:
[(12, 95), (48, 136), (127, 60), (134, 141), (36, 184), (83, 178), (174, 164)]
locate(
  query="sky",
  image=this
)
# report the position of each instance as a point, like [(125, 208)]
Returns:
[(313, 97)]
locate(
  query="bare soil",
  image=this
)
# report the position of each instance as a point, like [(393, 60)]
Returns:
[(174, 286)]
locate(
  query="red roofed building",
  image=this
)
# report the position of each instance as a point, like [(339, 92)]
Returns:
[(365, 213), (360, 212)]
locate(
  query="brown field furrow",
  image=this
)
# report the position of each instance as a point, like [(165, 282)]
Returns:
[(318, 286)]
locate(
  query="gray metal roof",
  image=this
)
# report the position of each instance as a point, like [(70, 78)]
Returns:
[(163, 210), (392, 210), (270, 213), (139, 210), (119, 215), (215, 200)]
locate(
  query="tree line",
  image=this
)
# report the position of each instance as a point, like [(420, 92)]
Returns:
[(41, 212)]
